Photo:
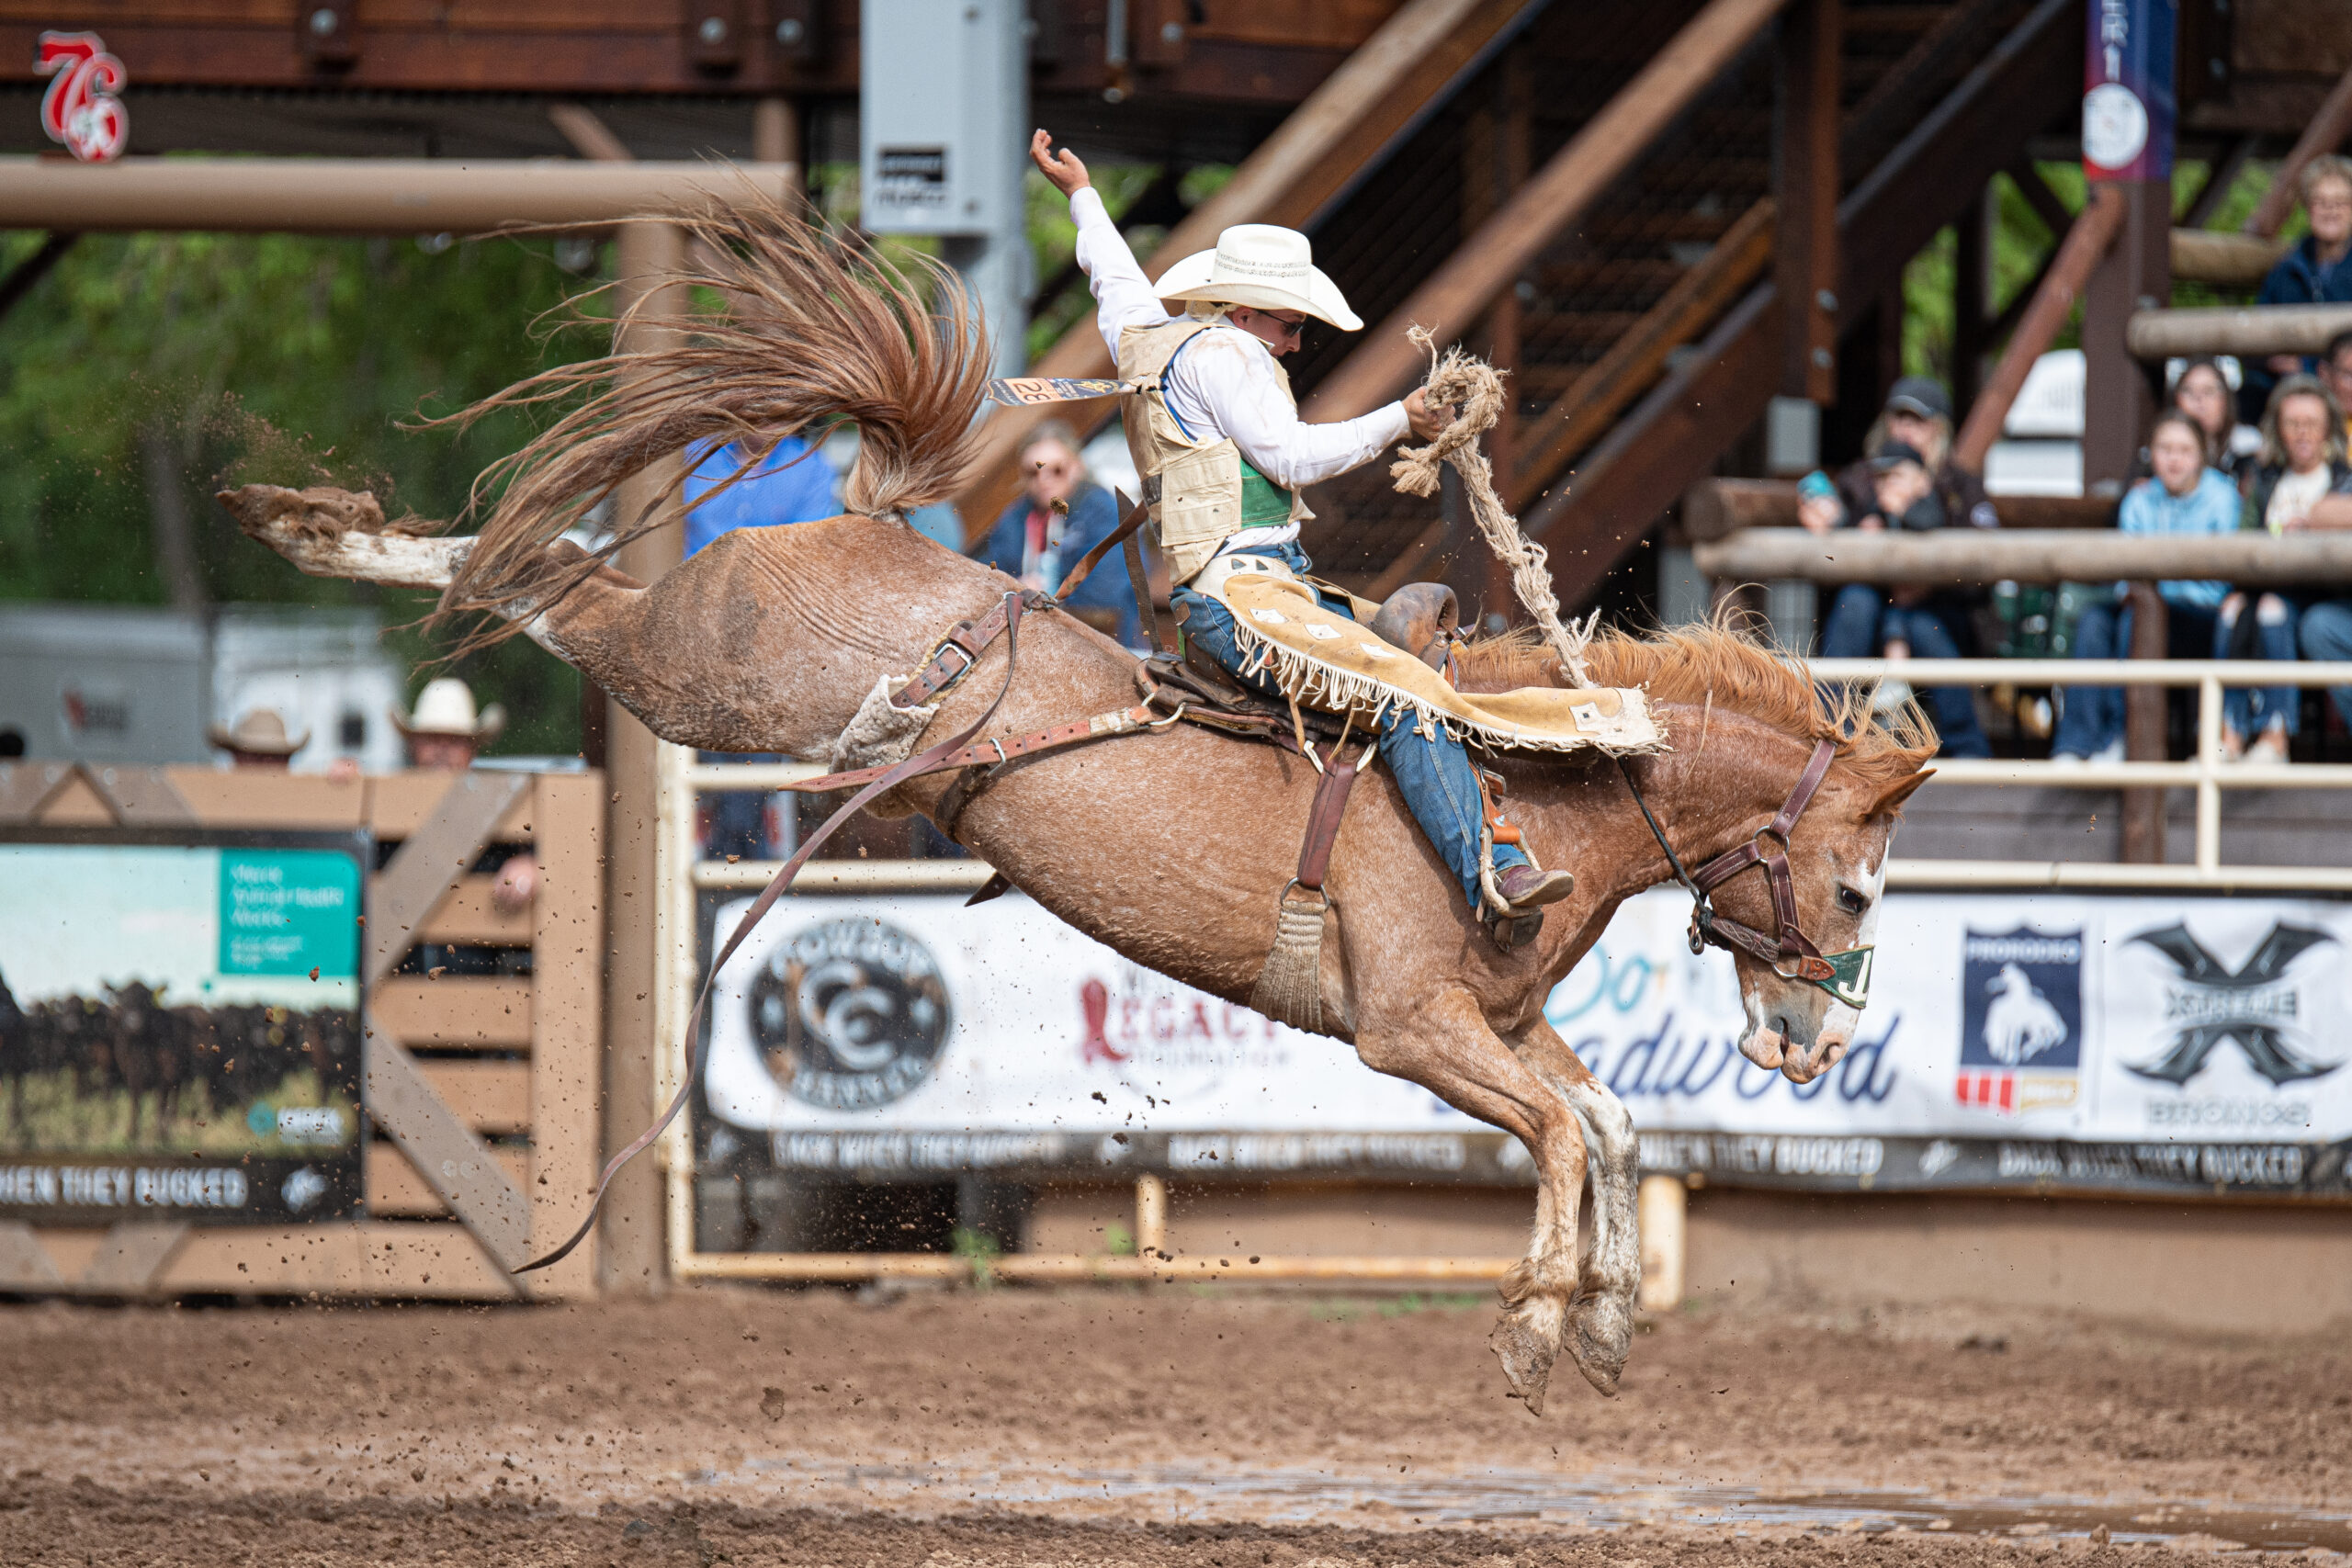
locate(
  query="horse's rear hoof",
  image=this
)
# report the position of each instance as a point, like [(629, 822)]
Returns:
[(1600, 1333), (1527, 1341)]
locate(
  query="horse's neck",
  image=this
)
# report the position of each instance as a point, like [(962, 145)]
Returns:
[(1725, 777)]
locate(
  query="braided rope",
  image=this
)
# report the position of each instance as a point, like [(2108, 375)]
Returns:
[(1476, 387)]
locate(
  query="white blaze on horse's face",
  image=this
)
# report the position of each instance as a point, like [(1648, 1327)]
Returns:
[(1799, 1029)]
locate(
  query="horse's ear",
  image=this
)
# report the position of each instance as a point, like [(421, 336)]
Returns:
[(1890, 799)]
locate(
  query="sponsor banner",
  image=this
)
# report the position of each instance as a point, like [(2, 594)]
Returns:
[(2029, 1041), (179, 1028)]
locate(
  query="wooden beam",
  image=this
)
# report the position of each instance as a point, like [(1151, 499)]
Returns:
[(354, 195), (2326, 133), (1805, 191), (1614, 379), (2248, 331), (2233, 261), (1342, 130), (2087, 241), (1386, 363), (1974, 556), (2119, 396), (456, 1164), (33, 269), (1716, 508), (590, 136), (1703, 404), (433, 860)]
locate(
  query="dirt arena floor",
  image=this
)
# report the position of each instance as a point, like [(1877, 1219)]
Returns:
[(1152, 1426)]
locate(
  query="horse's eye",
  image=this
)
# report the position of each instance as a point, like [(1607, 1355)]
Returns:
[(1852, 902)]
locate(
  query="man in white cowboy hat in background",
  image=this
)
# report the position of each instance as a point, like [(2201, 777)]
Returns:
[(1215, 430), (258, 740), (444, 732)]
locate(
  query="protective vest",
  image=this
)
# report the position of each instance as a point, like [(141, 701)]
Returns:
[(1202, 492)]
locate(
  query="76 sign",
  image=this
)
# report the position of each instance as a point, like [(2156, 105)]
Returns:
[(80, 110)]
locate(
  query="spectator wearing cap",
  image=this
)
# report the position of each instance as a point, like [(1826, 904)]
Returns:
[(2316, 271), (259, 740), (2187, 496), (1907, 481), (1051, 525)]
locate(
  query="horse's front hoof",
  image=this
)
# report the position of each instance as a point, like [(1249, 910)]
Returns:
[(1601, 1335), (1527, 1341)]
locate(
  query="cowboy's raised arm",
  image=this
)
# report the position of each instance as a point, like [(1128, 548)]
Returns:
[(1123, 294)]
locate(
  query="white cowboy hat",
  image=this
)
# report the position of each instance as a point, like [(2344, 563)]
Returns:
[(446, 706), (1260, 266), (260, 733)]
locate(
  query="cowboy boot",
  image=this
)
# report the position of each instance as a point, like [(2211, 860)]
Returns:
[(1525, 888)]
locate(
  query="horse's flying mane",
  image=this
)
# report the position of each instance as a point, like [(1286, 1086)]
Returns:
[(1718, 664)]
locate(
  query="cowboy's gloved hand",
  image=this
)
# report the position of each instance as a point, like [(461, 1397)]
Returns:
[(1426, 421), (1063, 168)]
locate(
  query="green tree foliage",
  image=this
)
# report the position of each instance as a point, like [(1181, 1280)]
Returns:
[(276, 359)]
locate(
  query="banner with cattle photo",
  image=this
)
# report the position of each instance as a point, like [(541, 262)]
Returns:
[(2029, 1041), (179, 1027)]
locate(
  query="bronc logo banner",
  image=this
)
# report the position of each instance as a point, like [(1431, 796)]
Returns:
[(2257, 1006), (2021, 1020)]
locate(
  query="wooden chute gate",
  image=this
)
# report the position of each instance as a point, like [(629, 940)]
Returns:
[(482, 1091)]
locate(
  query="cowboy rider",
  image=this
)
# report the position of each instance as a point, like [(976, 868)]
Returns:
[(1219, 429)]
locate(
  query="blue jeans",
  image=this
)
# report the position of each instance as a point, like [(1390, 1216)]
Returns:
[(2091, 717), (1432, 772), (2251, 710), (1860, 625), (2327, 636)]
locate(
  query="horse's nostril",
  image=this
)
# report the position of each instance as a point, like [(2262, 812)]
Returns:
[(1780, 1027)]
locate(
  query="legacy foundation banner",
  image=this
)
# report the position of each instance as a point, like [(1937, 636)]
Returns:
[(2059, 1041)]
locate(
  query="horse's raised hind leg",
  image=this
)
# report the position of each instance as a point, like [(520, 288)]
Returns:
[(1447, 1047), (1600, 1316)]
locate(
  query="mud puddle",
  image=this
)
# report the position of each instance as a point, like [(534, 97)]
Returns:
[(1504, 1497)]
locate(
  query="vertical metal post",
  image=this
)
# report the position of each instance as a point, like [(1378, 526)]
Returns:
[(630, 1258), (1151, 1216), (2209, 762), (2143, 731), (1663, 1205), (675, 974)]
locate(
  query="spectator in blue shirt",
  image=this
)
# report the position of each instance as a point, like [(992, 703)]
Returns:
[(1039, 546), (2317, 271), (792, 484), (2187, 496)]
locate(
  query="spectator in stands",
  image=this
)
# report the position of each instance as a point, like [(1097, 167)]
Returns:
[(2202, 392), (2317, 271), (443, 733), (2300, 482), (2335, 375), (1038, 544), (2187, 495), (1907, 481), (259, 740), (794, 484)]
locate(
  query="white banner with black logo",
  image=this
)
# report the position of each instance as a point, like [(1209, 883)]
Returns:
[(2044, 1040)]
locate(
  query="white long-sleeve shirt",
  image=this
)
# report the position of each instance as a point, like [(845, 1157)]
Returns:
[(1225, 383)]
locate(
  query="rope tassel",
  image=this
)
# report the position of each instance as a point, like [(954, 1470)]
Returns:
[(1464, 380)]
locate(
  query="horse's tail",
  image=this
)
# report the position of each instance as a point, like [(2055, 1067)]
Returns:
[(815, 329)]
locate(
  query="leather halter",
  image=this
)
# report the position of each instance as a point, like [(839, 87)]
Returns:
[(1768, 848)]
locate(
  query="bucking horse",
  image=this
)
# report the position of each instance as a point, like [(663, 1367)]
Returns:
[(1173, 844)]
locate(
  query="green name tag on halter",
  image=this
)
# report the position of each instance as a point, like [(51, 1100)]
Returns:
[(1850, 976)]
